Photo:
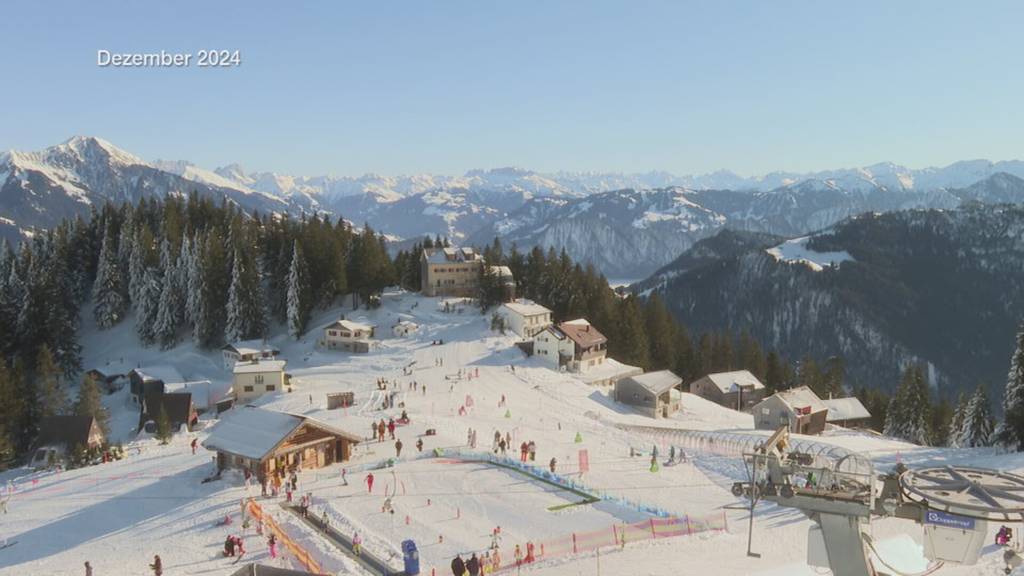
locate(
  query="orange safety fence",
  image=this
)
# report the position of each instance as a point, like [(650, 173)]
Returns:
[(300, 553), (614, 535)]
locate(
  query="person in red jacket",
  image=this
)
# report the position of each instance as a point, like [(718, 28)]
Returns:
[(369, 482)]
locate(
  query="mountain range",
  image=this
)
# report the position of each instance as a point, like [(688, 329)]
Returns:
[(628, 225), (939, 287)]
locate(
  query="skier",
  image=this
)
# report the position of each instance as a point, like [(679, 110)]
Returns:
[(531, 449), (295, 481), (473, 565), (272, 545), (357, 543), (88, 569), (240, 545), (229, 546), (369, 482), (391, 428), (374, 434), (381, 427), (497, 438), (157, 566), (529, 552), (501, 446), (419, 444), (551, 464), (398, 448), (344, 480), (458, 566), (324, 520), (518, 555), (522, 451), (195, 442)]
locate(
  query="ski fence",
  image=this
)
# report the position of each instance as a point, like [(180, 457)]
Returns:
[(614, 536), (301, 555)]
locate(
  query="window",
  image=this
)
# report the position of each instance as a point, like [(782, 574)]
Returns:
[(270, 387), (258, 378), (247, 388), (765, 411)]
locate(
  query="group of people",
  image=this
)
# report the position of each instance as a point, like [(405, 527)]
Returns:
[(527, 451), (234, 546), (476, 566)]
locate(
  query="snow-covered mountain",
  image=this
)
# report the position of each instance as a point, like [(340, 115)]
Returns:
[(626, 224), (942, 287), (629, 233)]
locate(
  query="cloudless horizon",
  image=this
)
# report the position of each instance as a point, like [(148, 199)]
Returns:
[(446, 87)]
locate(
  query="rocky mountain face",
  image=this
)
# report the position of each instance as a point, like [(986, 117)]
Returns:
[(944, 287)]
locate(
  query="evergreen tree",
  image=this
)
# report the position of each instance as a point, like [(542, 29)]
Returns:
[(53, 399), (26, 426), (662, 333), (976, 428), (909, 413), (163, 426), (171, 306), (1009, 433), (12, 406), (298, 294), (147, 305), (108, 293), (774, 372), (245, 308), (956, 422), (630, 345), (90, 404)]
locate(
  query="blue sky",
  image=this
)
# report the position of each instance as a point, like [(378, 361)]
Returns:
[(401, 87)]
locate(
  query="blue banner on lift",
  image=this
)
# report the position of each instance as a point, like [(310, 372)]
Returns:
[(948, 520)]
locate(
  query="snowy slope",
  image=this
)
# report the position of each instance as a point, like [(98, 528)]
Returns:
[(118, 515)]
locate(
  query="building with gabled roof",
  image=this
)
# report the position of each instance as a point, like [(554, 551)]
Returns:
[(348, 335), (798, 408), (738, 389), (178, 405), (847, 412), (254, 379), (247, 351), (525, 318), (575, 345), (655, 394), (268, 442)]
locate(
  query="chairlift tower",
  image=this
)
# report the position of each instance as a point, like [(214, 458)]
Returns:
[(953, 504)]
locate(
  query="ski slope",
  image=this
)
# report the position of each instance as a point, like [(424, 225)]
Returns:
[(118, 515)]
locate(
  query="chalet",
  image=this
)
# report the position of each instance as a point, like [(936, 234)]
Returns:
[(738, 390), (525, 318), (254, 379), (589, 345), (847, 412), (404, 328), (653, 393), (247, 351), (348, 335), (179, 408), (60, 435), (450, 271), (144, 380), (267, 442), (799, 408)]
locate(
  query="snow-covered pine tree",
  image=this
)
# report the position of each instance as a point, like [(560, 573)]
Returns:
[(147, 305), (298, 293), (189, 264), (108, 292), (957, 421), (1009, 432), (976, 428), (245, 302), (909, 413), (171, 308)]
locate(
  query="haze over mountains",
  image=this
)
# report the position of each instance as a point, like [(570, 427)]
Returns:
[(628, 225)]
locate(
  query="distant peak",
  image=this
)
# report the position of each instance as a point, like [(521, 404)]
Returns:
[(84, 146)]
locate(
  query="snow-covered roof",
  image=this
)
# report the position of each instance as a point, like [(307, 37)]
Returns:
[(251, 347), (502, 271), (450, 254), (258, 367), (201, 390), (845, 409), (581, 332), (251, 432), (657, 382), (408, 323), (163, 373), (733, 381), (350, 325), (526, 308), (800, 398), (607, 370), (254, 432)]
